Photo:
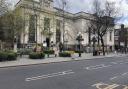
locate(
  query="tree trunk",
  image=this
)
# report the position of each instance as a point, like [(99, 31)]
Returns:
[(103, 48)]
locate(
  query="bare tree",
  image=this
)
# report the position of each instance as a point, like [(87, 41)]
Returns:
[(104, 18), (4, 6)]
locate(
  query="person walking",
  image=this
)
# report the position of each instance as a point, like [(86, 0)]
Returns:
[(56, 50)]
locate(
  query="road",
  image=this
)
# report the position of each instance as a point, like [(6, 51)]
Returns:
[(104, 73)]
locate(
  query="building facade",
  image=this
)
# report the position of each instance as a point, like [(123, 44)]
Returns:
[(121, 39), (44, 23)]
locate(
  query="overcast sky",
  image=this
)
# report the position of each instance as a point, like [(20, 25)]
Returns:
[(86, 6)]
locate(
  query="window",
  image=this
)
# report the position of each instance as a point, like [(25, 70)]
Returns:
[(58, 31), (32, 28), (46, 24), (89, 36), (110, 38)]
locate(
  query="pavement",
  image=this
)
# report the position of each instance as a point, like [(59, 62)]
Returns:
[(109, 72), (25, 61)]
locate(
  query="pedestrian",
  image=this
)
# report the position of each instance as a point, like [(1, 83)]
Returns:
[(44, 45), (56, 50), (61, 47)]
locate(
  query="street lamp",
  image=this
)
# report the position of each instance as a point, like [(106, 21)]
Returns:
[(79, 39), (94, 40)]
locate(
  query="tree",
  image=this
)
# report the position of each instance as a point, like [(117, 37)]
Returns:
[(103, 20), (11, 26), (4, 6)]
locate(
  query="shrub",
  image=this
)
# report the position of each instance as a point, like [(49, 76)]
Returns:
[(12, 56), (35, 55), (25, 51), (71, 52), (79, 51), (7, 56), (65, 54), (49, 52), (3, 56)]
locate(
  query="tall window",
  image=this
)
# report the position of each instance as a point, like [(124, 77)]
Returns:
[(89, 36), (58, 31), (46, 24), (110, 34), (32, 28)]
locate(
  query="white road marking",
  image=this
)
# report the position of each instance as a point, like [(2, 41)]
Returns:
[(119, 76), (114, 63), (49, 75), (113, 78), (119, 62), (125, 74), (97, 67)]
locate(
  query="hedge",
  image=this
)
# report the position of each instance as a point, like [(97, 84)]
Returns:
[(79, 51), (8, 56), (25, 51), (65, 54), (49, 52), (35, 55)]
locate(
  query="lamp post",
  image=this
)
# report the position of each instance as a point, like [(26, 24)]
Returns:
[(94, 41), (79, 39)]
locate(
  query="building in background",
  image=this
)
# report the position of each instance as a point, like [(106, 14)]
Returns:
[(121, 39), (44, 23)]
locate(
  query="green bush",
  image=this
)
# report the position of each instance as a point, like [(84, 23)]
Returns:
[(79, 51), (7, 56), (25, 51), (65, 54), (12, 56), (49, 52), (35, 55), (3, 56)]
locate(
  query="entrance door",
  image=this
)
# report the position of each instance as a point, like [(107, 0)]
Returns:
[(48, 42)]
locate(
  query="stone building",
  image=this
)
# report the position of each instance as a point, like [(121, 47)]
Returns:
[(44, 23), (121, 38)]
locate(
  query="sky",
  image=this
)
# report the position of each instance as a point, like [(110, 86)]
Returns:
[(75, 6)]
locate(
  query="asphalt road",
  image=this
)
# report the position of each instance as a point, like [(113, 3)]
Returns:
[(104, 73)]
